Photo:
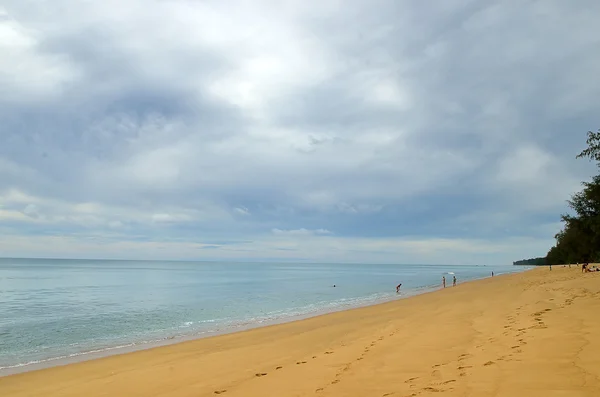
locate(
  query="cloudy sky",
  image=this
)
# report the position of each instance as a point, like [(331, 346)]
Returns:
[(335, 131)]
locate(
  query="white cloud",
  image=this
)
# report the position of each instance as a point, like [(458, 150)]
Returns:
[(181, 119), (31, 210), (527, 164), (242, 211), (533, 179), (25, 72), (301, 232), (311, 247), (19, 206)]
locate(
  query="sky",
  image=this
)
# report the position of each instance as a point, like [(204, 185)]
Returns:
[(331, 131)]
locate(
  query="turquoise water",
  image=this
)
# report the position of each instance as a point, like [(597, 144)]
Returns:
[(52, 309)]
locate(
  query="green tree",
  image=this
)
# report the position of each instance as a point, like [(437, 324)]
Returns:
[(579, 241), (593, 149)]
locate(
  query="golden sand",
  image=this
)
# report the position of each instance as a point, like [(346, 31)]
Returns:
[(531, 334)]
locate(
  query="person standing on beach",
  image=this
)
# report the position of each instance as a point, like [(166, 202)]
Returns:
[(398, 288), (444, 281), (454, 281), (492, 274)]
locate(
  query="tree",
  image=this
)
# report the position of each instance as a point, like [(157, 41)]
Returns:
[(593, 149), (579, 241)]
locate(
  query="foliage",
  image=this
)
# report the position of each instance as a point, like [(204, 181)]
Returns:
[(593, 149), (531, 262), (579, 241)]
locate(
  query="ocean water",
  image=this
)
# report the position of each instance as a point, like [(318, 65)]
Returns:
[(56, 309)]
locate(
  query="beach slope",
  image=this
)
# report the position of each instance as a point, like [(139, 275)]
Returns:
[(531, 334)]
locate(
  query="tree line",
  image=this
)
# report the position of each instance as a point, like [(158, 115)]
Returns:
[(531, 262), (579, 240)]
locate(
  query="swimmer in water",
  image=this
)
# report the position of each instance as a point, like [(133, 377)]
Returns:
[(398, 288)]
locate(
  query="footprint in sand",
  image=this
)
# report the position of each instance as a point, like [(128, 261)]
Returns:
[(220, 391), (464, 367), (328, 352), (279, 367), (335, 381), (300, 362), (260, 374), (432, 389), (411, 379), (489, 363)]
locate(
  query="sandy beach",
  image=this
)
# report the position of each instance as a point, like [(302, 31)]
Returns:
[(530, 334)]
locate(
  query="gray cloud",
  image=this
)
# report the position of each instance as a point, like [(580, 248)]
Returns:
[(380, 124)]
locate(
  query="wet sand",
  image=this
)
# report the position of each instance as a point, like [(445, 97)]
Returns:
[(530, 334)]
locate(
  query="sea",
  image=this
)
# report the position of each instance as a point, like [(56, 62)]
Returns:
[(54, 311)]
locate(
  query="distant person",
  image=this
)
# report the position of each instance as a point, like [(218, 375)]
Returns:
[(333, 285), (398, 288), (454, 281), (584, 267), (444, 281), (550, 267), (492, 274)]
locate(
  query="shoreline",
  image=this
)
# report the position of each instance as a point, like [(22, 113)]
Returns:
[(110, 351), (525, 334)]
